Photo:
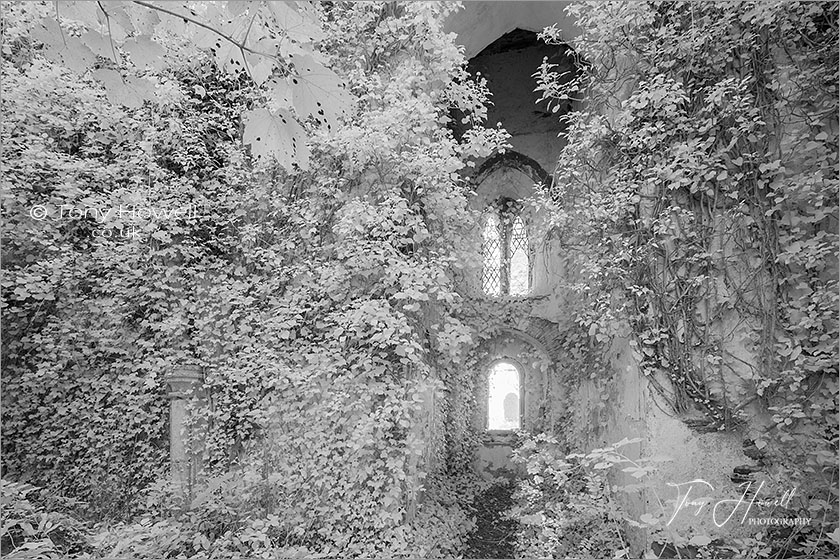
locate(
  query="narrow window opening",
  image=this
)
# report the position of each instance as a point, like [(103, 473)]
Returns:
[(503, 398)]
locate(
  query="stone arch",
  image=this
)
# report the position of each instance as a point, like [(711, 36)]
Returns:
[(544, 334), (513, 160), (522, 334), (535, 365), (514, 177)]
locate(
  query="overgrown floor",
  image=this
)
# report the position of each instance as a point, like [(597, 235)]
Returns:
[(494, 535)]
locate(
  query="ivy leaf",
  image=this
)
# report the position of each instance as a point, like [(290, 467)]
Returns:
[(279, 137), (318, 92)]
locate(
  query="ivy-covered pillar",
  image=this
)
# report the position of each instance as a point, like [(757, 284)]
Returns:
[(185, 445)]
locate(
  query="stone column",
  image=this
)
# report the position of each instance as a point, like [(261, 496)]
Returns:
[(185, 454)]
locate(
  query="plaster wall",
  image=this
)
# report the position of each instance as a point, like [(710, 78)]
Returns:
[(508, 68), (690, 465), (480, 23)]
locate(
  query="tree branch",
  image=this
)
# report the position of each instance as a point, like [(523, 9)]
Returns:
[(228, 38), (110, 36)]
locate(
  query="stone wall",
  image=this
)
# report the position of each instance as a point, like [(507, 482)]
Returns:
[(594, 417)]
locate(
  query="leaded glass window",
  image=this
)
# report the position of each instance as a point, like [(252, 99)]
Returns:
[(518, 254), (505, 251), (491, 278)]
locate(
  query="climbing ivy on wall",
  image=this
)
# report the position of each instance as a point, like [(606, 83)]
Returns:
[(698, 196), (318, 299)]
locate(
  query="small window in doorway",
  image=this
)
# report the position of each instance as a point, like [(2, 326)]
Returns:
[(503, 397)]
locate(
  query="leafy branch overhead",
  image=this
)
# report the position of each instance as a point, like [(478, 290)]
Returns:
[(126, 45)]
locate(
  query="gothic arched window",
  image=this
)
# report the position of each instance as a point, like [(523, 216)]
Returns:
[(505, 251), (504, 401)]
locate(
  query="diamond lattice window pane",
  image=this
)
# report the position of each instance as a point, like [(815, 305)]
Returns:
[(519, 261), (491, 278)]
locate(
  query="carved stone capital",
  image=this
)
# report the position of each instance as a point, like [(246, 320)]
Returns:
[(183, 380)]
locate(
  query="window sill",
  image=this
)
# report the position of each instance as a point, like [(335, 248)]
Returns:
[(499, 437), (507, 298)]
